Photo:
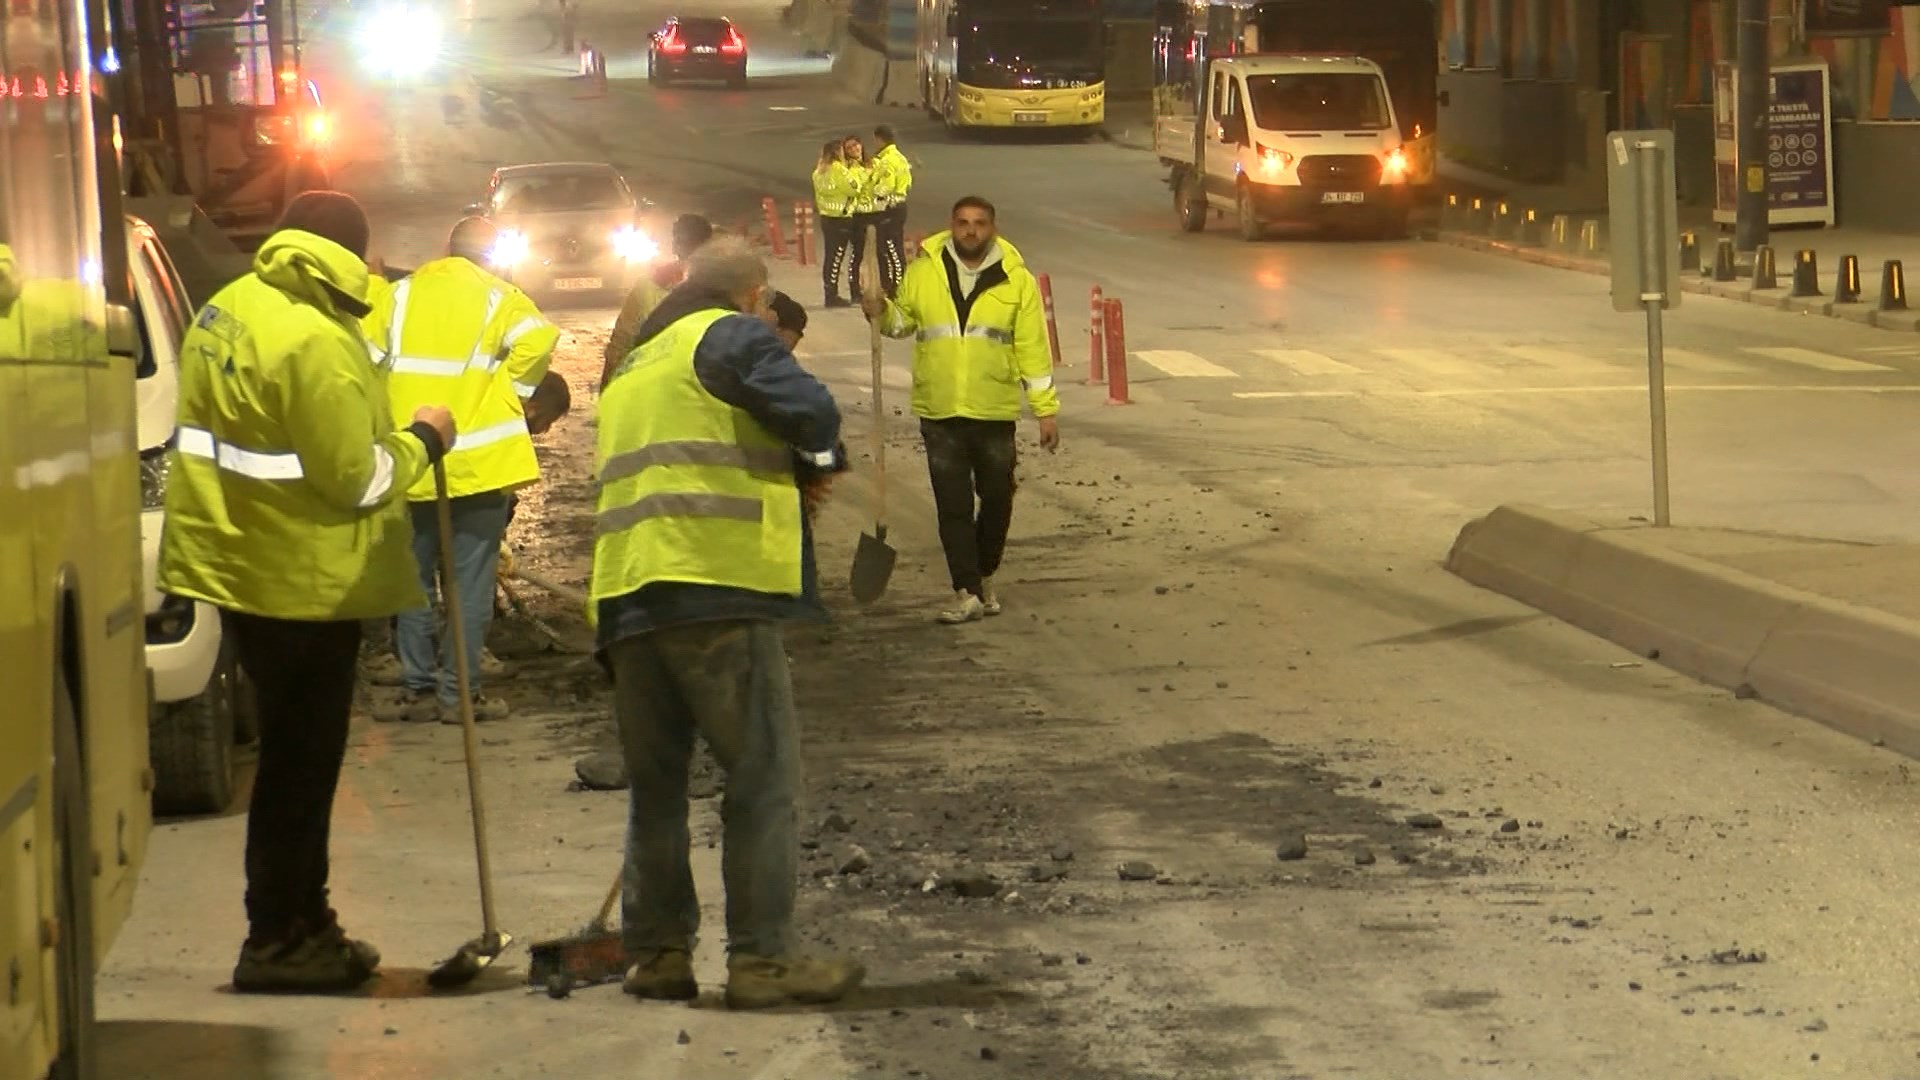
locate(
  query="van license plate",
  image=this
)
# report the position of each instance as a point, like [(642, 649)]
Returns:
[(577, 283), (1343, 197), (1029, 118)]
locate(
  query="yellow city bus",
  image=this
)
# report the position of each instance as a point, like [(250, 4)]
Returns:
[(74, 777), (1013, 63)]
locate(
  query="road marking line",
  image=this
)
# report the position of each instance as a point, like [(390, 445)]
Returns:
[(1304, 362), (1185, 365), (1553, 358), (1491, 391), (1819, 361)]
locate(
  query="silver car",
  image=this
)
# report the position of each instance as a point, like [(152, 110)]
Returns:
[(567, 228)]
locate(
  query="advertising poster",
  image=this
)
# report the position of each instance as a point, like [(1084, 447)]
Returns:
[(1799, 145)]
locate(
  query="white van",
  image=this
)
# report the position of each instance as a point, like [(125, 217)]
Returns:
[(1288, 138)]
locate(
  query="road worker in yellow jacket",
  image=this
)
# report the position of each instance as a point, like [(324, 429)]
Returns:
[(286, 509), (973, 309), (454, 332)]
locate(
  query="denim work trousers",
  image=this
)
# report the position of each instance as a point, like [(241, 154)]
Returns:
[(965, 458), (728, 682), (479, 525)]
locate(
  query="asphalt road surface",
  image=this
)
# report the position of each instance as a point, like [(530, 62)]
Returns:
[(1226, 631)]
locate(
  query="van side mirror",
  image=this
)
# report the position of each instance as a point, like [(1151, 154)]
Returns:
[(123, 334)]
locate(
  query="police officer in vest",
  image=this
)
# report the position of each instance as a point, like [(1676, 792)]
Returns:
[(702, 551), (286, 509), (454, 332)]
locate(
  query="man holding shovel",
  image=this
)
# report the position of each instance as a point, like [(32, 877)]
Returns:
[(702, 550), (974, 311)]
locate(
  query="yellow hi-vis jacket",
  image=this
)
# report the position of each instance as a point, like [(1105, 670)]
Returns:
[(691, 488), (973, 364), (892, 177), (286, 484), (455, 335), (835, 188)]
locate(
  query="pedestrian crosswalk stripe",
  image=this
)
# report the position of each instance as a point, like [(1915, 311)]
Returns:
[(1182, 364), (1814, 359), (1434, 360), (1305, 362), (1550, 357)]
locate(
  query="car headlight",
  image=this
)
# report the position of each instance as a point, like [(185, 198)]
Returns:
[(633, 245), (153, 479), (508, 249)]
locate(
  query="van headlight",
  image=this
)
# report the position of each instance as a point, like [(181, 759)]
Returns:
[(153, 479), (633, 245)]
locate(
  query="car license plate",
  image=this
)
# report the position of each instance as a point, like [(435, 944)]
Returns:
[(1029, 118), (577, 283), (1343, 197)]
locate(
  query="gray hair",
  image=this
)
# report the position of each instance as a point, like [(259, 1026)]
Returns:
[(472, 238), (726, 264)]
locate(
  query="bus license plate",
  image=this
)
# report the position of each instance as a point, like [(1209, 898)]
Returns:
[(577, 283), (1343, 197), (1029, 118)]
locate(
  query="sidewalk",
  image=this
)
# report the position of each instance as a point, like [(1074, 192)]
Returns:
[(1829, 629)]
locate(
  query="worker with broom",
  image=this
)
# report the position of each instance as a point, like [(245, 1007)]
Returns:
[(702, 551)]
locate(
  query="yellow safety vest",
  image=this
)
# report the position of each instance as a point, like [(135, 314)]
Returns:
[(691, 489), (453, 334)]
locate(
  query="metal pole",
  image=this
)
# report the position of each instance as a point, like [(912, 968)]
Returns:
[(1754, 71), (1653, 271)]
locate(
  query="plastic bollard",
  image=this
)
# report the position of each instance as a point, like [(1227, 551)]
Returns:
[(1806, 273), (1116, 334), (1764, 276), (1846, 283), (1893, 286), (1053, 328), (1725, 262), (775, 237), (802, 233), (1096, 340), (1689, 251)]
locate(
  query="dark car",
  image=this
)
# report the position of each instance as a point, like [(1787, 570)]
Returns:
[(698, 48), (567, 227)]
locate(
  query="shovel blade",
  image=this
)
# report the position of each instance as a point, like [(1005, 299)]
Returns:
[(872, 567)]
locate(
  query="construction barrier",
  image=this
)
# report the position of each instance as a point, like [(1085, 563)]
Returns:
[(1116, 336), (775, 237), (803, 232), (1053, 329), (1096, 340)]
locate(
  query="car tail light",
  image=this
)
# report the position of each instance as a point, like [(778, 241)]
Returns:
[(672, 43), (734, 43)]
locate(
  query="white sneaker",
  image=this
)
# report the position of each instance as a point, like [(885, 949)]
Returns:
[(966, 608), (989, 600)]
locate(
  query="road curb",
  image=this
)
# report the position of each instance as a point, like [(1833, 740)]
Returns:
[(1855, 669), (1777, 299)]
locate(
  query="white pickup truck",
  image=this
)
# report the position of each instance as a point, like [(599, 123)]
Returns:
[(1288, 138)]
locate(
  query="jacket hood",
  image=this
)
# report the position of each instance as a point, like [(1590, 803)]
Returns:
[(316, 270), (1010, 257), (676, 305)]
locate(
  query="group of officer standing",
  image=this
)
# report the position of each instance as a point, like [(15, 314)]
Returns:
[(852, 193)]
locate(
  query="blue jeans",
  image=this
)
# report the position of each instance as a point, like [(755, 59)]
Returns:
[(479, 525), (729, 682)]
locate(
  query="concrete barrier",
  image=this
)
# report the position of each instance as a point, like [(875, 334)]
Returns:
[(1852, 668), (860, 72)]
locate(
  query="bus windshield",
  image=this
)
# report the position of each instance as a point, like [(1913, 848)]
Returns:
[(1018, 54), (1319, 101)]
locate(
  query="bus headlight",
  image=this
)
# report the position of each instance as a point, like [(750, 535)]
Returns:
[(633, 245), (508, 249)]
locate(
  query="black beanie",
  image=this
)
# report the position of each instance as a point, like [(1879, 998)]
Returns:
[(332, 215)]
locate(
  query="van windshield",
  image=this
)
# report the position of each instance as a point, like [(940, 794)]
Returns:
[(1319, 101)]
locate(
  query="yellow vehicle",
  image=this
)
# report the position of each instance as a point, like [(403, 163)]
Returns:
[(74, 775), (1014, 63)]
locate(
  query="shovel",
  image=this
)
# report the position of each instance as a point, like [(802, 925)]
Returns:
[(593, 956), (473, 957), (873, 558)]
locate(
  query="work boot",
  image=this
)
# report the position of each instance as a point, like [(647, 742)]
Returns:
[(326, 962), (762, 982), (485, 710), (663, 975), (384, 670), (406, 707), (989, 600), (966, 608)]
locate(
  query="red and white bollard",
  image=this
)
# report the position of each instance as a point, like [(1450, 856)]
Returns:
[(1096, 341), (775, 237), (803, 232), (1053, 329), (1116, 335)]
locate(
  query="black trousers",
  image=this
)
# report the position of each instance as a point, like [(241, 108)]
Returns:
[(303, 675), (891, 230), (838, 234), (968, 458)]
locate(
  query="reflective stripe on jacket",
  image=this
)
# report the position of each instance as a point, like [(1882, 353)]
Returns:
[(834, 190), (977, 365), (892, 177), (286, 484), (692, 489), (458, 336)]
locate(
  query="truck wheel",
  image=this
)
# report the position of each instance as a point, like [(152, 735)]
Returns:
[(1252, 229), (1189, 203), (191, 746), (73, 895)]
